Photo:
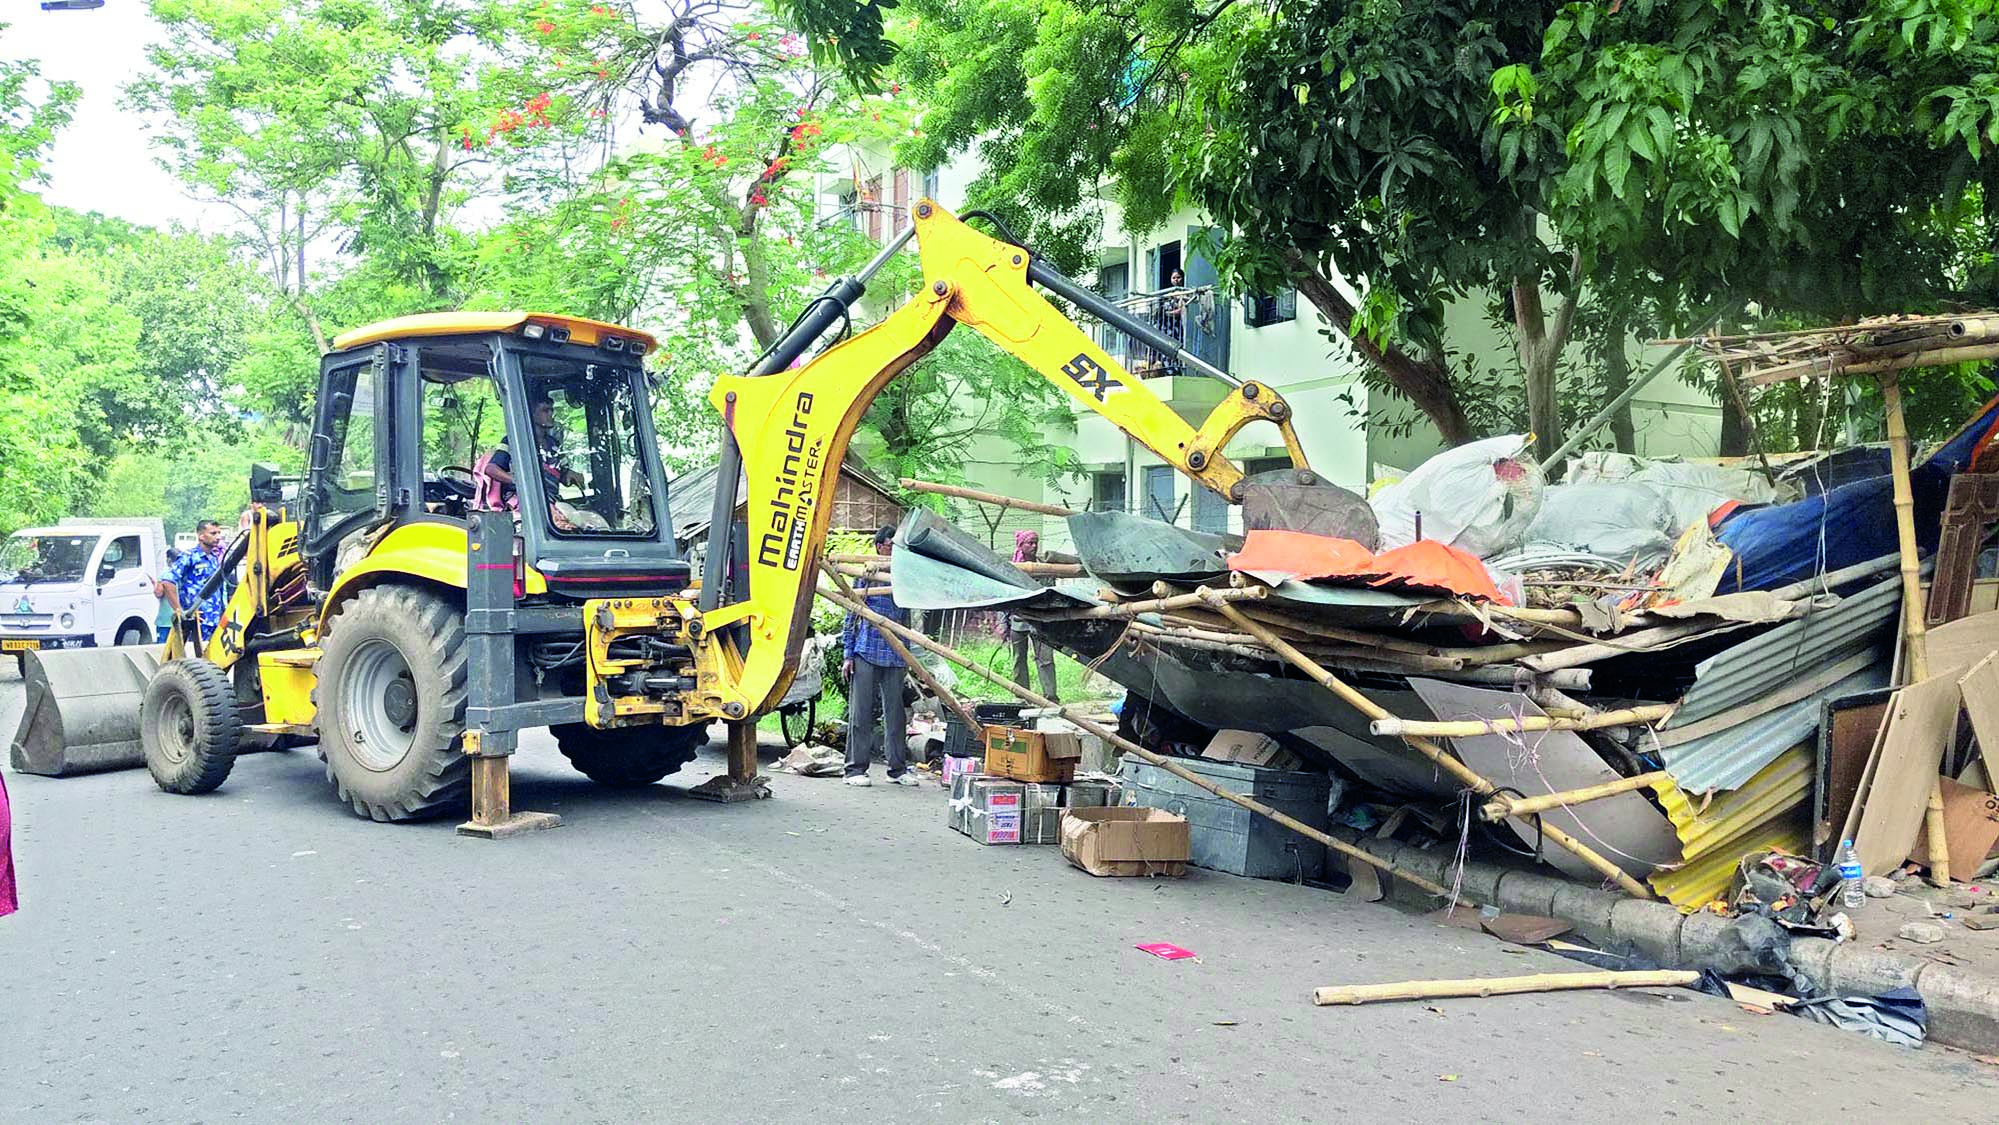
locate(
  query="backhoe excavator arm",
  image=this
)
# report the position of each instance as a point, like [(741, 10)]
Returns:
[(792, 428)]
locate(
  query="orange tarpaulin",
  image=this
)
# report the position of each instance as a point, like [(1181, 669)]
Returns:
[(1429, 563), (1424, 564), (1303, 555)]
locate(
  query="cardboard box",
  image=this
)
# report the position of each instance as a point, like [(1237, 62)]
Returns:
[(1250, 749), (1126, 841), (993, 827), (1970, 827), (1032, 755)]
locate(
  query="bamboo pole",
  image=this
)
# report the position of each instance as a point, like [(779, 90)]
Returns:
[(1529, 805), (1938, 357), (1916, 637), (1644, 640), (992, 498), (1436, 754), (1081, 718), (916, 668), (1502, 986), (1472, 728), (1154, 605)]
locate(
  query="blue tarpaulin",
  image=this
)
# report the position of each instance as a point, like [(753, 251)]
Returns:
[(1782, 543)]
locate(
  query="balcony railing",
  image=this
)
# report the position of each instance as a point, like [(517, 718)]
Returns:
[(1196, 317)]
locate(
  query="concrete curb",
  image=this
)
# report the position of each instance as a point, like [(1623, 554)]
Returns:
[(1963, 1005)]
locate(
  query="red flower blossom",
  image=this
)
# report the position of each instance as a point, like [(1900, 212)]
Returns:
[(543, 26)]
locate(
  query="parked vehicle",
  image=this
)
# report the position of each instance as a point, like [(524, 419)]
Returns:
[(85, 583)]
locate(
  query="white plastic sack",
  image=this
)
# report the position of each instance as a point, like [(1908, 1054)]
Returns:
[(1479, 498), (1693, 490), (1622, 521), (1697, 490)]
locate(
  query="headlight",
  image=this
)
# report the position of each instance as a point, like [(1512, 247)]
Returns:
[(67, 620)]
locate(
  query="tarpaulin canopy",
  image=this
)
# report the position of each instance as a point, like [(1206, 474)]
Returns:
[(1850, 524)]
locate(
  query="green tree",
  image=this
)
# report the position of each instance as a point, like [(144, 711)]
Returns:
[(708, 222)]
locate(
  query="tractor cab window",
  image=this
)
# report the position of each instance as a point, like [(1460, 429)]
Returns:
[(595, 470), (463, 422)]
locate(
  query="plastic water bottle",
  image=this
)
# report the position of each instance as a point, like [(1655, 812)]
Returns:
[(1852, 895)]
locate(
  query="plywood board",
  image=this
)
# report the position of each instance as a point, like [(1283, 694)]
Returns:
[(1625, 829), (1961, 643), (1905, 770)]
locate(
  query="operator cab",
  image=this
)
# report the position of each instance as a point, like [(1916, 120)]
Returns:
[(429, 418)]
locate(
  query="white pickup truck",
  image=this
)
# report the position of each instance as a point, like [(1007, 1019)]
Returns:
[(85, 583)]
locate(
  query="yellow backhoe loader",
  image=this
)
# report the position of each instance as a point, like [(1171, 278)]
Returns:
[(412, 611)]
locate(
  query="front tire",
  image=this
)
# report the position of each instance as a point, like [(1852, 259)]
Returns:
[(390, 695), (628, 757), (189, 727), (133, 633)]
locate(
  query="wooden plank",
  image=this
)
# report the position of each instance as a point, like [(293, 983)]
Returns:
[(1905, 772), (1500, 986)]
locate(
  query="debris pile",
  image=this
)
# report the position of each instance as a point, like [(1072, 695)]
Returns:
[(1635, 672)]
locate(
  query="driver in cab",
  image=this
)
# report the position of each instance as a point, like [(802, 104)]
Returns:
[(496, 469)]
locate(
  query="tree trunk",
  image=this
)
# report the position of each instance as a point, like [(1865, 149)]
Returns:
[(755, 290), (1541, 339), (1734, 428), (1425, 382), (1617, 380)]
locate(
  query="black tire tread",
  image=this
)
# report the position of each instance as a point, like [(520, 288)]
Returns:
[(628, 757), (218, 726), (446, 778)]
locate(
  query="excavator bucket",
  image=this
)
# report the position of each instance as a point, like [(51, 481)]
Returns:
[(1298, 500), (82, 712)]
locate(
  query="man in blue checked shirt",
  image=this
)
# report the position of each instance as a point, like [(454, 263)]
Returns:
[(191, 571), (874, 674)]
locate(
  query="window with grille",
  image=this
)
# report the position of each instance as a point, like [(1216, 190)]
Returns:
[(1107, 491), (1262, 309)]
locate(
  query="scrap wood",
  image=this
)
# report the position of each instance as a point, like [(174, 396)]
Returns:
[(1904, 773), (993, 499), (1471, 728), (1430, 750), (1123, 610), (1080, 718), (1501, 986), (1497, 811)]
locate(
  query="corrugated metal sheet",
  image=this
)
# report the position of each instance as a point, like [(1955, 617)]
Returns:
[(1771, 811), (1768, 661), (1730, 758)]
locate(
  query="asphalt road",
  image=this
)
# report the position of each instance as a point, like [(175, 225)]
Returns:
[(832, 954)]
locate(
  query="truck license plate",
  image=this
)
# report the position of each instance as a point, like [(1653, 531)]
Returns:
[(19, 644)]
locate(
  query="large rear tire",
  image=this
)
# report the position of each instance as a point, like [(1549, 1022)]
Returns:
[(390, 695), (189, 727), (628, 756)]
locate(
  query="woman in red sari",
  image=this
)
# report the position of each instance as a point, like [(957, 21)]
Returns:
[(8, 902)]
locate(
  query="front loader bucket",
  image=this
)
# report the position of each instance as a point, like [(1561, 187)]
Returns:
[(82, 713)]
